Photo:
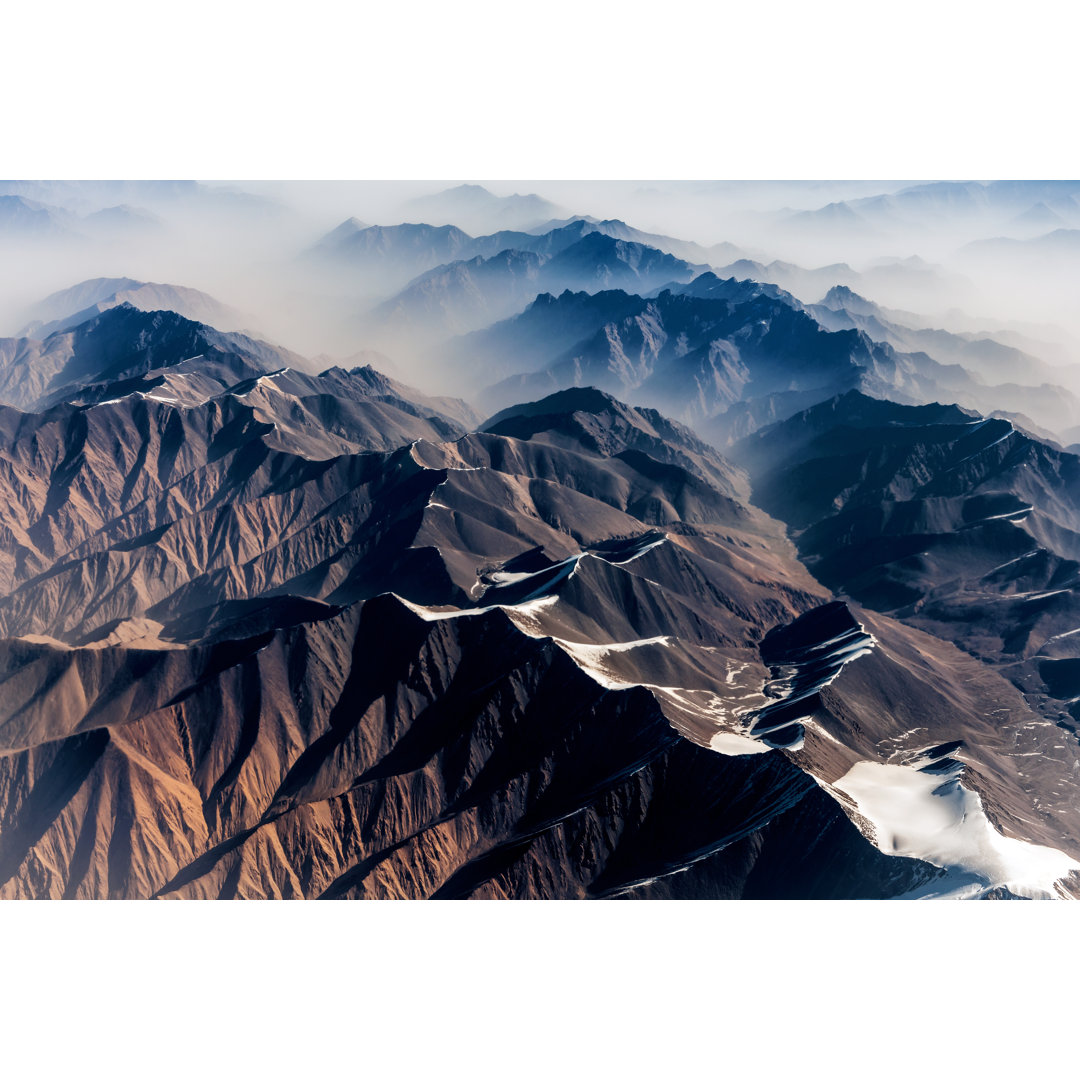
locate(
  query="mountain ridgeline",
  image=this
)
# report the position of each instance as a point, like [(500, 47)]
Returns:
[(267, 632), (688, 572), (724, 356)]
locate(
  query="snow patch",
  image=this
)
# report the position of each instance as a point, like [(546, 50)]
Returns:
[(505, 577), (590, 658), (919, 815), (638, 554), (435, 615), (731, 744)]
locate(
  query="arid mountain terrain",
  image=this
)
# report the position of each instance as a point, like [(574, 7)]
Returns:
[(660, 583)]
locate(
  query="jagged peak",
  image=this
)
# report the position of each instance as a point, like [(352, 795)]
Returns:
[(587, 399), (372, 376), (861, 409), (843, 296), (347, 227)]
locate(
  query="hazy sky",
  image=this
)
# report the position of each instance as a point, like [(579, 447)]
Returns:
[(244, 243)]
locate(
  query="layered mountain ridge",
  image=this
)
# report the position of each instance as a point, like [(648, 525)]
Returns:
[(961, 525), (320, 635), (693, 570), (724, 356)]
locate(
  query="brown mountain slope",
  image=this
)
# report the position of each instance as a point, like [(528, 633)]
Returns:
[(535, 661)]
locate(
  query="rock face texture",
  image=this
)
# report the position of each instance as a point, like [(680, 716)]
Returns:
[(266, 633), (731, 356)]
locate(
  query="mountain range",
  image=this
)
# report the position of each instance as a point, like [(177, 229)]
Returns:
[(727, 356), (948, 205), (468, 295), (81, 214), (985, 356), (26, 218), (471, 206), (319, 635), (662, 582), (79, 303), (393, 255)]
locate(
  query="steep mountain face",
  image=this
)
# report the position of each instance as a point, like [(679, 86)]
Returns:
[(458, 268), (70, 307), (724, 356), (690, 355), (897, 281), (66, 302), (340, 235), (555, 236), (734, 596), (802, 282), (681, 249), (548, 327), (464, 296), (269, 644), (487, 764), (123, 344), (387, 256), (468, 295), (965, 527), (597, 262), (995, 362), (710, 286), (595, 419)]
